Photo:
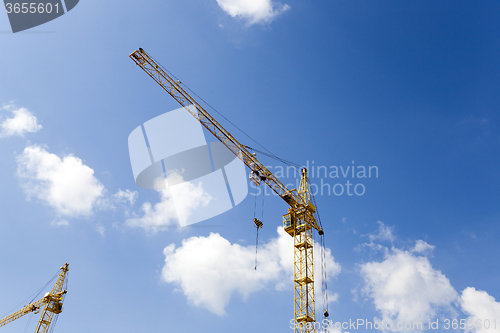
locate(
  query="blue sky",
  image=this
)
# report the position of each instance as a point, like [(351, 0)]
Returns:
[(409, 87)]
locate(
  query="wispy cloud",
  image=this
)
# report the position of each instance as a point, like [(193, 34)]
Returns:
[(21, 122), (126, 196), (422, 247), (253, 11), (59, 222), (384, 233)]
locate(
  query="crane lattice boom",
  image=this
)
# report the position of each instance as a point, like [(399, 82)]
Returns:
[(52, 305), (300, 219)]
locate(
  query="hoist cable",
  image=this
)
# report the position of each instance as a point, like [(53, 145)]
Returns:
[(53, 323), (32, 296), (45, 286), (255, 207), (258, 225), (263, 196), (282, 160), (317, 211), (256, 243), (220, 114), (28, 323), (324, 285)]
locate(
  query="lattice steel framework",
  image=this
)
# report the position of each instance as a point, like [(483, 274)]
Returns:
[(52, 305), (304, 311), (53, 302), (259, 171), (300, 214)]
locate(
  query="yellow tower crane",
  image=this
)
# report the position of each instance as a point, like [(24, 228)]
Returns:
[(299, 222), (51, 305)]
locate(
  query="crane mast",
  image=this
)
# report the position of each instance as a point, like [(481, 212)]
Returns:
[(299, 222), (52, 305)]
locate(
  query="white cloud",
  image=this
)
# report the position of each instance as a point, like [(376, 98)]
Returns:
[(59, 223), (127, 197), (65, 184), (209, 270), (422, 247), (253, 11), (22, 121), (406, 288), (384, 233), (158, 217), (101, 230), (333, 297), (480, 306), (168, 213), (124, 199)]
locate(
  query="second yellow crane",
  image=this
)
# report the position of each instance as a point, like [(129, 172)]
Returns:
[(51, 305)]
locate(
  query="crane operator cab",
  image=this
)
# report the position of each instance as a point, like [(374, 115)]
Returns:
[(289, 222)]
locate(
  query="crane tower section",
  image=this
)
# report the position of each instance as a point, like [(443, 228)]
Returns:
[(299, 223)]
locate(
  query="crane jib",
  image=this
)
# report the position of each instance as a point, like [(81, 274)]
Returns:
[(298, 223), (260, 172)]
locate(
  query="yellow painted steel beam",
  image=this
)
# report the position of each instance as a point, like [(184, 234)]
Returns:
[(259, 171), (300, 219), (303, 267), (51, 303), (32, 307)]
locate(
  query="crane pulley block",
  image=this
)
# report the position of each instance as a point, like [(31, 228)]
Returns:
[(257, 223), (254, 177)]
